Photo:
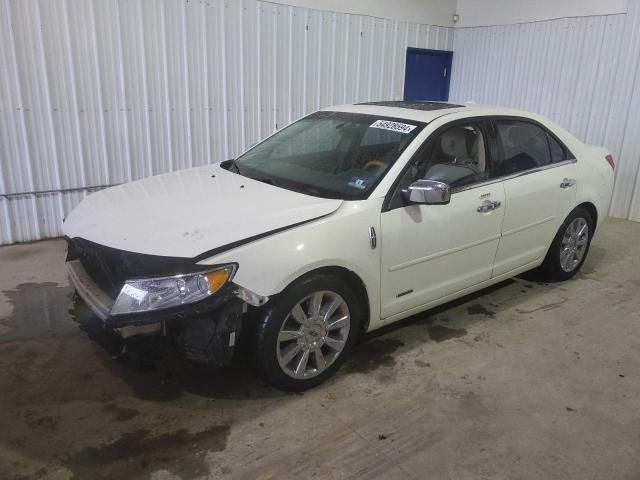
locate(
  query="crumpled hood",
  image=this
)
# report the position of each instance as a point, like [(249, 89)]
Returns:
[(190, 212)]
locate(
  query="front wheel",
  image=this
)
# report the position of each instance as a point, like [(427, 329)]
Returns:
[(303, 338), (570, 246)]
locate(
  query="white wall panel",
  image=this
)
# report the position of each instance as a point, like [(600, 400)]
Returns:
[(100, 92), (581, 72)]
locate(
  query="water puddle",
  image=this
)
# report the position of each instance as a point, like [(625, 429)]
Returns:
[(140, 451), (39, 310)]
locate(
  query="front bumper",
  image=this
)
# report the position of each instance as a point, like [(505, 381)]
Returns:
[(101, 303), (206, 331)]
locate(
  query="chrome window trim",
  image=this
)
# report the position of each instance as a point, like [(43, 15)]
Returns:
[(513, 175)]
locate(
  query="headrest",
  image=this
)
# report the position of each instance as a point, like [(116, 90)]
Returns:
[(455, 142)]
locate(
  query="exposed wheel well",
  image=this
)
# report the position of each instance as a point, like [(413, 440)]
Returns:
[(591, 208), (355, 282)]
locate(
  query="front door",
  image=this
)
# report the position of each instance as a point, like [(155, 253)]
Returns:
[(427, 75), (539, 182), (431, 251)]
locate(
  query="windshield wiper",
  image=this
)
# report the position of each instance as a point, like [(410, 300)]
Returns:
[(266, 180), (230, 165)]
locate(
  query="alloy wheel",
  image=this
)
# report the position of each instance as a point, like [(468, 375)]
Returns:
[(313, 335), (574, 244)]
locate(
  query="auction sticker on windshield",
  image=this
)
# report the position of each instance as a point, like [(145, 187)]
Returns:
[(393, 126)]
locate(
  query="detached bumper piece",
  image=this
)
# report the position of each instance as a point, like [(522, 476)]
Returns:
[(213, 342)]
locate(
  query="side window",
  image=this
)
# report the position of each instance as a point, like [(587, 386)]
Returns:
[(557, 151), (524, 146), (456, 156)]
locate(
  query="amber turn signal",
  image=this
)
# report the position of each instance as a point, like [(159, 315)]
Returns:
[(217, 279)]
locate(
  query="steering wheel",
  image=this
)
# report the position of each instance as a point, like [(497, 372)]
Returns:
[(374, 164)]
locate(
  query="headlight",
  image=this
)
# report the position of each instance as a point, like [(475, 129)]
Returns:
[(149, 294)]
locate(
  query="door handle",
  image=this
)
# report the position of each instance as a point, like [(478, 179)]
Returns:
[(568, 182), (488, 206)]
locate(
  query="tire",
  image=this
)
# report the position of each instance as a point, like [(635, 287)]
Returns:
[(561, 264), (286, 330)]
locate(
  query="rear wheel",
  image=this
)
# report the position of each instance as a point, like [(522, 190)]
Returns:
[(570, 246), (302, 339)]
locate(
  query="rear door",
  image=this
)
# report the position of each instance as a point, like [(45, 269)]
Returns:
[(539, 177)]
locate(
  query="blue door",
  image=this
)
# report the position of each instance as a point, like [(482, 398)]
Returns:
[(427, 74)]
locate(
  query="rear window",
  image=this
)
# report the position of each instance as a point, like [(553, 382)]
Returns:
[(525, 146)]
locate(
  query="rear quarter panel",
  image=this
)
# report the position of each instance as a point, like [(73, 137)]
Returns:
[(595, 179), (594, 175)]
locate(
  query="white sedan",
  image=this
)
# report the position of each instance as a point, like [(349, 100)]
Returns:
[(349, 219)]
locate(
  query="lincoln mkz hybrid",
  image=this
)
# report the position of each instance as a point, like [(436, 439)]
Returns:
[(347, 220)]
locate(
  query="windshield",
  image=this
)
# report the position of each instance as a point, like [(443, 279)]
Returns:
[(330, 154)]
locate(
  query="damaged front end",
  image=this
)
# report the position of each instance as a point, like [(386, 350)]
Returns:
[(193, 307)]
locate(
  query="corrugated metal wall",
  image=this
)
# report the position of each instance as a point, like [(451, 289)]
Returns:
[(581, 72), (99, 92)]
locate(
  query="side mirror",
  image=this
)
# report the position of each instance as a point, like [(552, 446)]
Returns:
[(428, 192)]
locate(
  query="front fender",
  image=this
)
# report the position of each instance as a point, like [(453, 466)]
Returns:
[(268, 265)]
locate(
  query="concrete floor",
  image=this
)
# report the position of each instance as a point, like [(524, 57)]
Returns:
[(524, 380)]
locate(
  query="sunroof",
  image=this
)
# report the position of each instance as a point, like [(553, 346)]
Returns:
[(427, 106)]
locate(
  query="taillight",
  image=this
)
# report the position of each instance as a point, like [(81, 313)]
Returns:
[(609, 159)]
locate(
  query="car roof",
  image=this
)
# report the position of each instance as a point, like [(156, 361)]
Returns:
[(423, 111)]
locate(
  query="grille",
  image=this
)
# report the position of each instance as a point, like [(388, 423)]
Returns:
[(100, 264), (109, 268)]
